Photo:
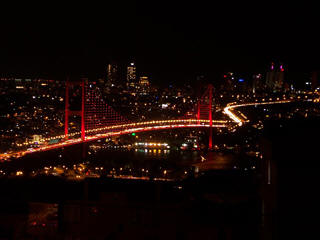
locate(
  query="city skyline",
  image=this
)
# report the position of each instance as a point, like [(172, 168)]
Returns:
[(172, 42)]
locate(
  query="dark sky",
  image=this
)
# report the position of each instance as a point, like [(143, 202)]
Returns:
[(170, 41)]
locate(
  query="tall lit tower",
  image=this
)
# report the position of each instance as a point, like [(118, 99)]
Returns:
[(131, 75), (275, 77), (112, 74), (280, 77)]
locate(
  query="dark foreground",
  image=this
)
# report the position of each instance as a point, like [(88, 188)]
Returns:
[(214, 206), (279, 201)]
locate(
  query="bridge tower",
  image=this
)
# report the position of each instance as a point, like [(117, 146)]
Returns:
[(210, 116), (204, 110), (69, 85)]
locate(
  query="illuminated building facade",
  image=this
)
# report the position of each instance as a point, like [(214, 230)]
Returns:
[(144, 81), (144, 85), (131, 76)]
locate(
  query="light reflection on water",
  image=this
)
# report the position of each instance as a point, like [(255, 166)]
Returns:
[(174, 160), (160, 163)]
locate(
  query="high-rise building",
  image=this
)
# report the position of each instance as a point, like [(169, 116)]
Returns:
[(144, 84), (112, 74), (144, 81), (131, 76), (275, 77)]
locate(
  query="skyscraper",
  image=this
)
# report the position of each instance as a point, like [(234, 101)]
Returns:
[(275, 78), (112, 74), (144, 85), (131, 75)]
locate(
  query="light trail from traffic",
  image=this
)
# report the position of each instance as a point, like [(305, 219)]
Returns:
[(130, 125), (185, 123), (228, 110), (117, 130)]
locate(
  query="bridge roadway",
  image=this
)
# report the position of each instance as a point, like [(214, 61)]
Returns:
[(116, 130), (241, 119)]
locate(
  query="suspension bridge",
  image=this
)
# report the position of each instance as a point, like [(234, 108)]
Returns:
[(99, 120)]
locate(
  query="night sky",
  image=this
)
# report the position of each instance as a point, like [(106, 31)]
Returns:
[(170, 42)]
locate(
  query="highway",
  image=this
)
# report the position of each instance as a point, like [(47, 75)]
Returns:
[(240, 120)]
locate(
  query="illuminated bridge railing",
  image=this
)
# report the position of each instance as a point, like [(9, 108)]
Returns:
[(217, 123), (122, 129), (131, 126)]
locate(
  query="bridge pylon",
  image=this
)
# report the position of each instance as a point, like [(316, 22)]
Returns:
[(68, 112), (204, 110)]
